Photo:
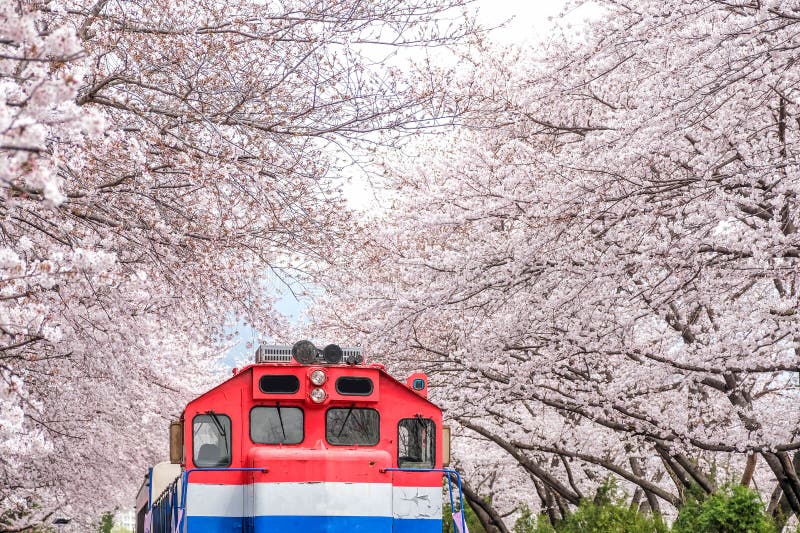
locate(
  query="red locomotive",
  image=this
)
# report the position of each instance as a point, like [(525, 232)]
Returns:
[(304, 440)]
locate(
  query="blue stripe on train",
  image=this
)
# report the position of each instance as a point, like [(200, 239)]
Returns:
[(417, 525), (314, 524)]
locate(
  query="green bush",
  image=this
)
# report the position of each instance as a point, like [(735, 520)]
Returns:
[(473, 524), (608, 513), (609, 517), (732, 509), (530, 523), (591, 517), (106, 522)]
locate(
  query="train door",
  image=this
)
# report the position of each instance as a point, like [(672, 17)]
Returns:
[(416, 492), (142, 503)]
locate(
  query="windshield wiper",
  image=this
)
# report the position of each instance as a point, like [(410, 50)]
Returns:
[(280, 419), (220, 429), (344, 422)]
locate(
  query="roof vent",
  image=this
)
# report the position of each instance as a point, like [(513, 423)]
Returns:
[(352, 356), (281, 353), (273, 353)]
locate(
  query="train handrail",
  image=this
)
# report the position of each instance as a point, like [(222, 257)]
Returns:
[(185, 485), (449, 472), (163, 512)]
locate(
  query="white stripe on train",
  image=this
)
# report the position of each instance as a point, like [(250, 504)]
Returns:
[(314, 499)]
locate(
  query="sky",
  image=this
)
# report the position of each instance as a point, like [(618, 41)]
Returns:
[(510, 22), (514, 22), (524, 21)]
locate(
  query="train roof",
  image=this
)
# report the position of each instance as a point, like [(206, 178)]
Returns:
[(297, 368)]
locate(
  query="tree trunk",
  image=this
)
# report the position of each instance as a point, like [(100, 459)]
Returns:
[(749, 470), (525, 462), (547, 501), (696, 474), (787, 477), (652, 500), (490, 519), (674, 471), (779, 506)]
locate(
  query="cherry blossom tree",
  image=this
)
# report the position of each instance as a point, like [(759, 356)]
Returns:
[(157, 160), (600, 267)]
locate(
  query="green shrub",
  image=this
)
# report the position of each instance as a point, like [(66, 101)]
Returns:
[(106, 522), (609, 517), (473, 524), (530, 523), (608, 513), (732, 509)]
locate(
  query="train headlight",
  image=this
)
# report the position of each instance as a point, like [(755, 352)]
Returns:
[(304, 352), (318, 377), (354, 359), (318, 395), (332, 353)]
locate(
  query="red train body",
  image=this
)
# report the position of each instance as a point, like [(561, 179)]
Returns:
[(323, 445)]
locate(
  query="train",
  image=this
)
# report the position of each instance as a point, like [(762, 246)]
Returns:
[(305, 440)]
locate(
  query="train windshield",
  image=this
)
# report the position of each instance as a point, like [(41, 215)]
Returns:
[(276, 425), (351, 425), (211, 440), (416, 444)]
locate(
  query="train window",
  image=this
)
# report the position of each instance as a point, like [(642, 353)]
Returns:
[(279, 384), (276, 425), (354, 386), (351, 425), (416, 443), (211, 440), (140, 518)]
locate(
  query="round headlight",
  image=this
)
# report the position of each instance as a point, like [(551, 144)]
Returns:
[(332, 353), (304, 352), (318, 395), (318, 377)]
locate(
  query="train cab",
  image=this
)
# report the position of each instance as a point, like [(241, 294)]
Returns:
[(308, 440)]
